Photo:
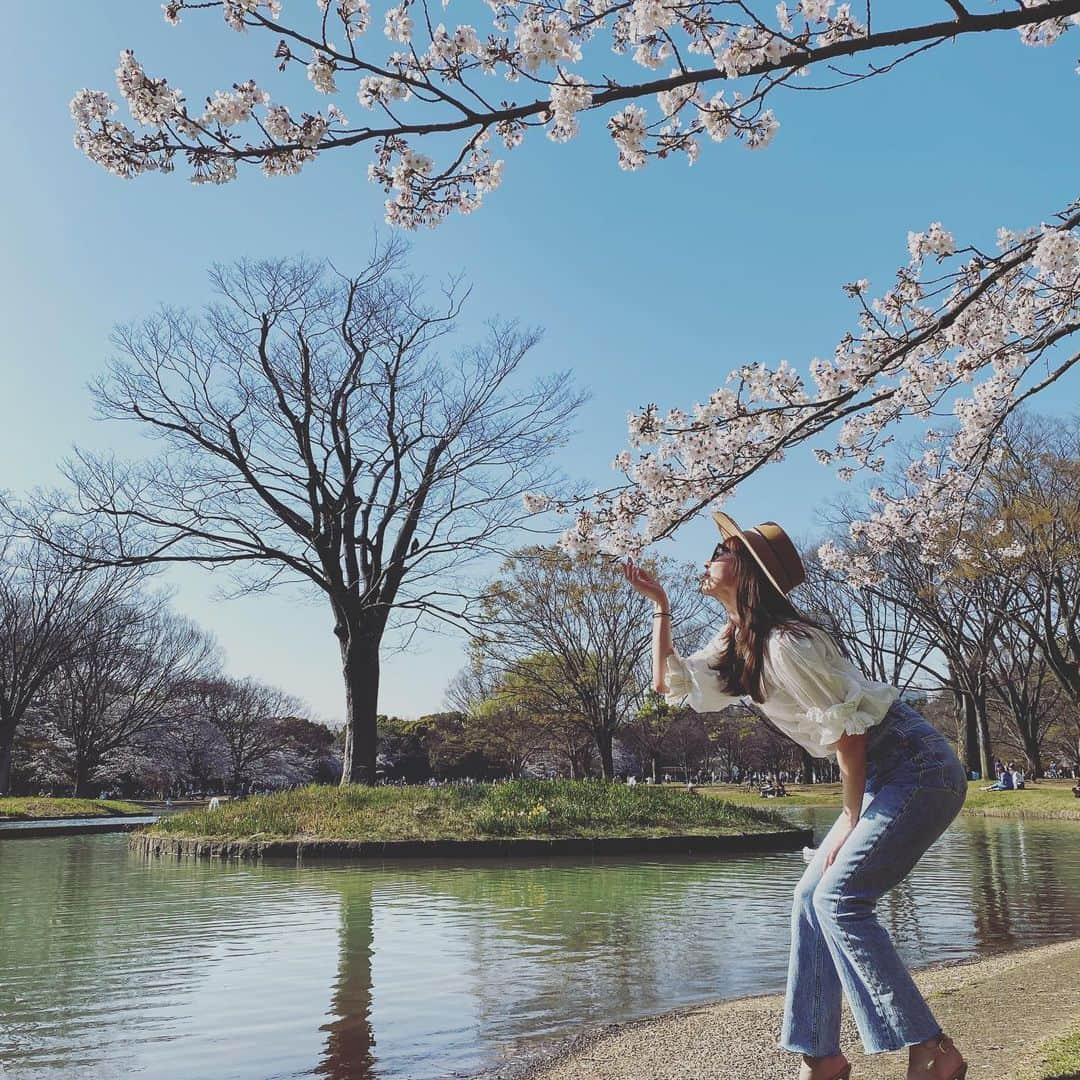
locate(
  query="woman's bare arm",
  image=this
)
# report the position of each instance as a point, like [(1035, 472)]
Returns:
[(643, 582), (851, 757)]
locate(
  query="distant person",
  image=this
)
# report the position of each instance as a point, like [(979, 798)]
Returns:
[(790, 666), (1004, 784)]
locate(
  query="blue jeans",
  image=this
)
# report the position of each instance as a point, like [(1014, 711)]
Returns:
[(915, 786)]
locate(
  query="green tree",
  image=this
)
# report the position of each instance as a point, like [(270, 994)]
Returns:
[(596, 633)]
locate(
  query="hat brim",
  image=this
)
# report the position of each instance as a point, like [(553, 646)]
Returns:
[(729, 527)]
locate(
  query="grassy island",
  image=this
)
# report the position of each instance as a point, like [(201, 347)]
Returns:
[(1041, 799), (540, 809), (46, 808)]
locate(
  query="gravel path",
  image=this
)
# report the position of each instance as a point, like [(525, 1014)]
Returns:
[(998, 1010)]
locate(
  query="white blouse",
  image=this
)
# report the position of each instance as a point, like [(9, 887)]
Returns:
[(813, 693)]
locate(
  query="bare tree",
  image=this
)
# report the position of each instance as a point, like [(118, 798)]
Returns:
[(1035, 493), (959, 617), (312, 436), (247, 714), (883, 638), (579, 614), (47, 598), (123, 681), (191, 743), (1020, 679)]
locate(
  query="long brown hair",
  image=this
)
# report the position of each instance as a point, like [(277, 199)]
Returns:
[(762, 609)]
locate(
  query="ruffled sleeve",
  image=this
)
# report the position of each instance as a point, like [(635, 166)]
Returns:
[(690, 680), (836, 697)]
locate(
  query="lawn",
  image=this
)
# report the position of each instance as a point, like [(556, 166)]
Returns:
[(798, 795), (1045, 798), (35, 807), (521, 808)]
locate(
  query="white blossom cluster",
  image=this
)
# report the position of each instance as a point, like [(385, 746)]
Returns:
[(418, 197), (540, 43), (1048, 31), (569, 96), (991, 322), (228, 108)]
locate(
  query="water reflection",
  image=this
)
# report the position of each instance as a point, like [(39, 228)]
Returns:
[(111, 966), (348, 1052)]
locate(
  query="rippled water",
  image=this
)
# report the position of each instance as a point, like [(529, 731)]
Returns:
[(39, 824), (111, 966)]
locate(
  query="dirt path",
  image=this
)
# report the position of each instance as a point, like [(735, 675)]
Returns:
[(999, 1010)]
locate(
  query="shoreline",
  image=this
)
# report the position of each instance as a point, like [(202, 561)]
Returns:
[(299, 848), (708, 1041), (1021, 813)]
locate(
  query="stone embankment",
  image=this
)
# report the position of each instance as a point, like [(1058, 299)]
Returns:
[(301, 848)]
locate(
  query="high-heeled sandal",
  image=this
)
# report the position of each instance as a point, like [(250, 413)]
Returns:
[(843, 1074), (944, 1045)]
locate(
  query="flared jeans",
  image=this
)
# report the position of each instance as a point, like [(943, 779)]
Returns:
[(915, 786)]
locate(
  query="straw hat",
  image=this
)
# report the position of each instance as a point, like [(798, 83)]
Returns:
[(772, 550)]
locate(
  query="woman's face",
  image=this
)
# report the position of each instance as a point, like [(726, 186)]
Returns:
[(721, 569)]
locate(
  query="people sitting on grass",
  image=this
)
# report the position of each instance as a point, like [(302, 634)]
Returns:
[(1005, 783), (1076, 792), (771, 790), (1011, 779)]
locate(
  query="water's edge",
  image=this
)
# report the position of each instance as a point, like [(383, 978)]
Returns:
[(534, 1060)]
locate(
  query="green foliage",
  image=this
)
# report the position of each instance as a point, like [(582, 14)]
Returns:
[(536, 808)]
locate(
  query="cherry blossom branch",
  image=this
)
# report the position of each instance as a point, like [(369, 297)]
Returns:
[(994, 318), (431, 91)]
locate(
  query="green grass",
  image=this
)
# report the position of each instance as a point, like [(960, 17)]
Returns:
[(798, 795), (1059, 1059), (35, 808), (1046, 798), (523, 808)]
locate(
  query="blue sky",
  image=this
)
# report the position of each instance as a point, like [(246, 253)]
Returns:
[(650, 285)]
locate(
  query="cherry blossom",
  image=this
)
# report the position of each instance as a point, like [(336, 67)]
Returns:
[(448, 87)]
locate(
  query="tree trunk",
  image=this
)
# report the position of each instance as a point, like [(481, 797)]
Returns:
[(83, 768), (1034, 753), (607, 762), (966, 706), (807, 768), (986, 748), (360, 667), (653, 759), (6, 741)]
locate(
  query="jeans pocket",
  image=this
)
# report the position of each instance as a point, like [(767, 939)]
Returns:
[(948, 773)]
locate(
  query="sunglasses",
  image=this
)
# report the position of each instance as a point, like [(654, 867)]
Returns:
[(721, 548)]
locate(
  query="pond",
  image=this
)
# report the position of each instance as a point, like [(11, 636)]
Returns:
[(112, 966)]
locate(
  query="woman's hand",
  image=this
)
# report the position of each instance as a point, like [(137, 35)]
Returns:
[(643, 582), (835, 849)]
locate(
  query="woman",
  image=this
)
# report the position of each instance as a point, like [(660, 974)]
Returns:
[(902, 786)]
